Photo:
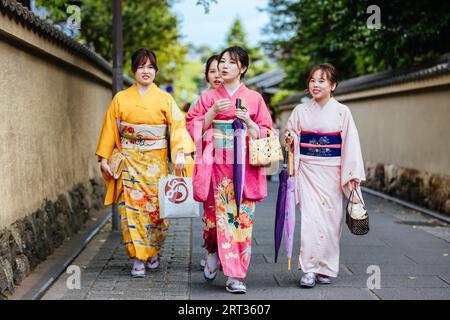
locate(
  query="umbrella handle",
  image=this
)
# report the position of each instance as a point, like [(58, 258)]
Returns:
[(238, 103), (286, 156)]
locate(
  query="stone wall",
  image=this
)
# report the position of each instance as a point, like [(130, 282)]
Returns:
[(30, 240), (53, 96), (422, 188)]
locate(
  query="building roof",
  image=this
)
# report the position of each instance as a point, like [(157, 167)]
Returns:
[(267, 80), (420, 71), (25, 16)]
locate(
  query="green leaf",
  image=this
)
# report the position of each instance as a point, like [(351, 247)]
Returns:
[(305, 33)]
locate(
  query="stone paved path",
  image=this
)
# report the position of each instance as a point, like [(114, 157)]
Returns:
[(410, 250), (105, 270)]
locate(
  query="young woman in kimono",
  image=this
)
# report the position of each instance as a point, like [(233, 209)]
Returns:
[(228, 236), (136, 123), (328, 162), (213, 79)]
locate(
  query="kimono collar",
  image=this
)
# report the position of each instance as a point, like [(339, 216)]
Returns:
[(152, 88), (224, 91), (318, 106)]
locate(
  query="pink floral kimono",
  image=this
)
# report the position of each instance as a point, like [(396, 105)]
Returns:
[(225, 232), (327, 157)]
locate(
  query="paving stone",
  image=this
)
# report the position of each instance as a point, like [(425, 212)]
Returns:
[(409, 258), (109, 271), (413, 293), (414, 263)]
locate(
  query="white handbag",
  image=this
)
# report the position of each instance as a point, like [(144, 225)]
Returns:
[(357, 211), (176, 198)]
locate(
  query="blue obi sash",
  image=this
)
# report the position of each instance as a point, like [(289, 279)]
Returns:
[(319, 144)]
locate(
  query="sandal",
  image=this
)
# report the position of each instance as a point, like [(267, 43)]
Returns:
[(203, 262), (308, 280), (323, 279), (153, 263), (235, 286), (138, 270), (208, 273)]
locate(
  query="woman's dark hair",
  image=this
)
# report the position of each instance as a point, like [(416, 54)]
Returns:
[(329, 70), (239, 54), (208, 64), (140, 57), (186, 107)]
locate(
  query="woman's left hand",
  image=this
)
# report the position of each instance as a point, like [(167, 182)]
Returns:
[(243, 114), (354, 183), (180, 162)]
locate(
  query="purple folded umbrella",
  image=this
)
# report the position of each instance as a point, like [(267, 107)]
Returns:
[(280, 212), (239, 153), (289, 222)]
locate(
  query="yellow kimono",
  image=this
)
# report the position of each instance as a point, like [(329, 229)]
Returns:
[(143, 122)]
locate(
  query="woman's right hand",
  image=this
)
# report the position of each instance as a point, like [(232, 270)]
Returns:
[(221, 105), (288, 138), (105, 167)]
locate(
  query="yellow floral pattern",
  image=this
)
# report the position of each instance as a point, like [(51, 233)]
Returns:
[(143, 231)]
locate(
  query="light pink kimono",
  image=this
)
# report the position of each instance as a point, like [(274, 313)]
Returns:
[(321, 181), (225, 232)]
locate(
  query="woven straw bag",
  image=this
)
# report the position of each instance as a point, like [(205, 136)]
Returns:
[(265, 151)]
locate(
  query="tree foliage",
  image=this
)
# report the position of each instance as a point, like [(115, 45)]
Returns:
[(238, 37), (145, 23), (308, 32), (56, 9)]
